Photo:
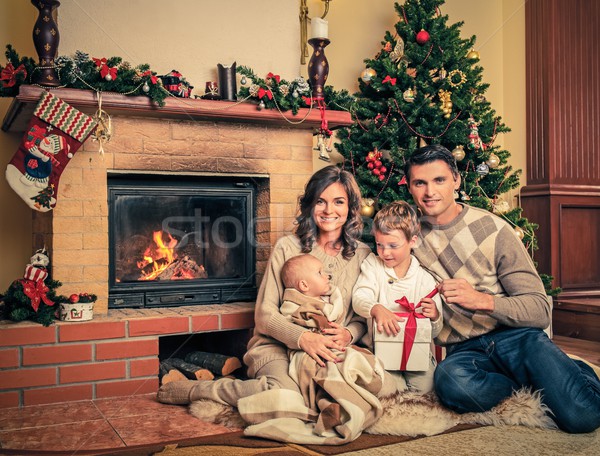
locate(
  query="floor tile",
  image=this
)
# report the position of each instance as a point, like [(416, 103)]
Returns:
[(47, 415), (162, 427), (120, 407), (85, 435)]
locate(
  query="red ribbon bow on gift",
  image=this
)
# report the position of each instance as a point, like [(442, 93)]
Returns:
[(36, 291), (274, 76), (410, 330), (153, 78), (262, 92), (9, 74), (390, 80)]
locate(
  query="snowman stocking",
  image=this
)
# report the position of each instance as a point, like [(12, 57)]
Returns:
[(54, 134)]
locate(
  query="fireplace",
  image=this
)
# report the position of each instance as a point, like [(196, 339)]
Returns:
[(176, 241)]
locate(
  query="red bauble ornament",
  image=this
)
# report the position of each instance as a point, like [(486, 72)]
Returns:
[(376, 171), (74, 298), (370, 165), (422, 37), (383, 169), (377, 164), (381, 177)]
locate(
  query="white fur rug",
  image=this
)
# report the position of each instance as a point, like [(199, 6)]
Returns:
[(414, 414)]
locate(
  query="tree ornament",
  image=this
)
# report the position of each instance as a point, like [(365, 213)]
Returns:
[(473, 55), (108, 77), (482, 169), (422, 37), (459, 153), (454, 81), (408, 95), (475, 142), (443, 73), (243, 80), (367, 75), (74, 298), (446, 102), (367, 207), (398, 51), (493, 161), (261, 105), (464, 196), (146, 87), (519, 232), (500, 207)]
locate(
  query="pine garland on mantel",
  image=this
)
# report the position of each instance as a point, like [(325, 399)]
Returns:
[(118, 76)]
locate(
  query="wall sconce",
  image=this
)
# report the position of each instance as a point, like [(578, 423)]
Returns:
[(320, 25)]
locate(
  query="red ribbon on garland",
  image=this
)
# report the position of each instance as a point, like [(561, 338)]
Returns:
[(36, 291), (262, 92), (389, 79), (153, 78), (9, 74), (274, 76), (104, 68), (410, 330)]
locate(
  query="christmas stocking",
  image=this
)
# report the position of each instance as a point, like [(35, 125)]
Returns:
[(53, 136)]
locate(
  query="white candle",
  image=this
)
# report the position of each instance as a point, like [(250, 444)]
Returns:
[(318, 27)]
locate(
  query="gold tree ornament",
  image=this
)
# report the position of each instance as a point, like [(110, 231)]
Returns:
[(519, 232), (459, 153), (367, 207), (398, 51), (456, 78), (367, 75), (493, 161), (473, 55)]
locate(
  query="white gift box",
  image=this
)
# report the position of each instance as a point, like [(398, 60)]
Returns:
[(389, 348)]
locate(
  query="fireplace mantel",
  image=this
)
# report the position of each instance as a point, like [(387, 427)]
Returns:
[(21, 109)]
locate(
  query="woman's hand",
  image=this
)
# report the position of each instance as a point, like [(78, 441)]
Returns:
[(386, 320), (340, 334), (429, 309), (319, 347)]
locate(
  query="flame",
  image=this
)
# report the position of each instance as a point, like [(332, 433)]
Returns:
[(162, 256)]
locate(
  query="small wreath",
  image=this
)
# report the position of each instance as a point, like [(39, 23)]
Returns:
[(451, 78)]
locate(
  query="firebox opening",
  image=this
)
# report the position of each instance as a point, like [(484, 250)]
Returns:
[(181, 240)]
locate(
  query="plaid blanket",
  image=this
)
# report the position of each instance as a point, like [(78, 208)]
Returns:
[(337, 402)]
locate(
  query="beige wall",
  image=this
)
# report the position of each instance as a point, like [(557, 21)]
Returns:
[(193, 36)]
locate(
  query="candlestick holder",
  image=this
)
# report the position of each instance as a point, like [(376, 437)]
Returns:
[(318, 67), (45, 40)]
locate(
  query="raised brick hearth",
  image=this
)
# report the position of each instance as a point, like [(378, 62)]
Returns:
[(116, 353)]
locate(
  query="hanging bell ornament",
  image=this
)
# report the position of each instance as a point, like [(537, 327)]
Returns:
[(519, 232), (473, 55), (459, 153), (243, 80), (367, 207), (493, 161), (146, 87), (367, 75)]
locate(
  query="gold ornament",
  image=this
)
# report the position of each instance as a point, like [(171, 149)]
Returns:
[(398, 51), (473, 55), (458, 153), (446, 102), (452, 80), (500, 207), (443, 73), (409, 95), (367, 207), (493, 161), (519, 232), (367, 75)]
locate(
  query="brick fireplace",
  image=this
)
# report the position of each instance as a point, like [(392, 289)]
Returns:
[(116, 353)]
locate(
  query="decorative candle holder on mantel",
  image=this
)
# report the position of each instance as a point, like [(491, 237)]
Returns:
[(318, 67), (45, 40)]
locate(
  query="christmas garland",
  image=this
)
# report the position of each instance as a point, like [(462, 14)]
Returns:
[(115, 75)]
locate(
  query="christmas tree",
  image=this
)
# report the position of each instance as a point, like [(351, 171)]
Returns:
[(425, 87)]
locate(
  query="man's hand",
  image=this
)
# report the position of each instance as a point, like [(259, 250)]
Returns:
[(319, 347), (386, 320), (460, 292)]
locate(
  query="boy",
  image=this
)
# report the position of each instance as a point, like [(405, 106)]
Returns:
[(395, 274)]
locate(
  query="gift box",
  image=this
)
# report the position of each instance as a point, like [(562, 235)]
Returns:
[(176, 84), (389, 349)]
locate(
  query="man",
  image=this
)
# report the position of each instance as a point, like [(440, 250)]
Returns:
[(495, 306)]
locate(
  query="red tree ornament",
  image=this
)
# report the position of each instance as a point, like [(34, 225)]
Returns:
[(422, 37)]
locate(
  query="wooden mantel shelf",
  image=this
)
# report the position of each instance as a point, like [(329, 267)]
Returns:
[(21, 109)]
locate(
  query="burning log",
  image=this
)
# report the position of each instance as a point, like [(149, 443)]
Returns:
[(218, 364), (181, 269)]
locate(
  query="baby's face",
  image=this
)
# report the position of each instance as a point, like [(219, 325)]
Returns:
[(317, 280)]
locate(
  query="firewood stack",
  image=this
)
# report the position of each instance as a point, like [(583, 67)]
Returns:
[(198, 365)]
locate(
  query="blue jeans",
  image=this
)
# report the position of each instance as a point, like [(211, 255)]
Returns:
[(479, 373)]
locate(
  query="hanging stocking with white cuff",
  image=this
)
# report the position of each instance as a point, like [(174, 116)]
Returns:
[(53, 136)]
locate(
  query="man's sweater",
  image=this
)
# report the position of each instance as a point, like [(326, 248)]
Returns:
[(273, 332), (484, 250)]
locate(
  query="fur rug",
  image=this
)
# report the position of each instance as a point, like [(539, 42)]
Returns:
[(413, 414)]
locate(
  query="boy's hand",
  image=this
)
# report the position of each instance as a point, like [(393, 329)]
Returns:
[(429, 309), (386, 320)]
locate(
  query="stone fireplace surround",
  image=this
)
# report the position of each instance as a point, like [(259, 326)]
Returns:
[(116, 353)]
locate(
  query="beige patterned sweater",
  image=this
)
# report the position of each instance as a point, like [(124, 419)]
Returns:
[(484, 250), (273, 332)]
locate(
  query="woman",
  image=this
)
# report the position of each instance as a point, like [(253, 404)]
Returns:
[(328, 227)]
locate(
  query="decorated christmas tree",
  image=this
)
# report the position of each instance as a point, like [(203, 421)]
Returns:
[(425, 86)]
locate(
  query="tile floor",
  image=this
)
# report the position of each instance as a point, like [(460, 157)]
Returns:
[(100, 424)]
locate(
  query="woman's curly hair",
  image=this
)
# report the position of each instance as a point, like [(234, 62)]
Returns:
[(307, 230)]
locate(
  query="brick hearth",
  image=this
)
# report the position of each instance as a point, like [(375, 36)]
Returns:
[(116, 353)]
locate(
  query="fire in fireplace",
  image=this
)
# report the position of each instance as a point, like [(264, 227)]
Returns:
[(175, 241)]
